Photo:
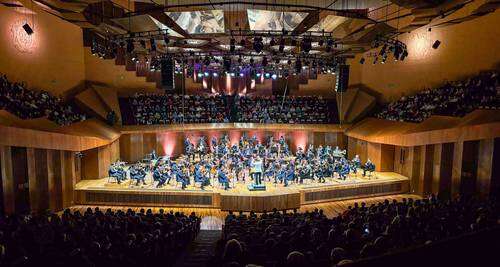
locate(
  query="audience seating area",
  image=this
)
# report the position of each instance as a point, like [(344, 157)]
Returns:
[(452, 99), (96, 238), (142, 109), (30, 104), (272, 109), (312, 239)]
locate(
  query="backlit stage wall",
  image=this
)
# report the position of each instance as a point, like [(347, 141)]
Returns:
[(134, 146)]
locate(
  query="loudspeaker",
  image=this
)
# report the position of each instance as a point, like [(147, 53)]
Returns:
[(167, 73), (28, 29), (342, 81), (436, 44)]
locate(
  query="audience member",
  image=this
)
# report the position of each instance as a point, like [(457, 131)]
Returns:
[(168, 109), (29, 104), (96, 238), (305, 109), (452, 99), (312, 239)]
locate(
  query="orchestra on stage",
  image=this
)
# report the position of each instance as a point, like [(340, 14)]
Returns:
[(248, 161)]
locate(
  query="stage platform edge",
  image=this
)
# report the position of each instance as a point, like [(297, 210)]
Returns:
[(93, 192)]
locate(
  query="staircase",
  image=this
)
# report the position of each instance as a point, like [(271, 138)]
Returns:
[(201, 249)]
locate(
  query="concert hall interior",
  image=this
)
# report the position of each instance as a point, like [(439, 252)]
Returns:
[(285, 133)]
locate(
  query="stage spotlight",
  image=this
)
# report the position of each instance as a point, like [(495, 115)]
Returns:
[(281, 48), (272, 42), (436, 44), (152, 42), (382, 51), (306, 45), (257, 44), (130, 46), (227, 63), (267, 75), (397, 52), (206, 61), (298, 65), (200, 75), (28, 29), (215, 74), (232, 42), (207, 74), (232, 74), (258, 74), (264, 61), (404, 55), (274, 76), (242, 74), (362, 61), (384, 58)]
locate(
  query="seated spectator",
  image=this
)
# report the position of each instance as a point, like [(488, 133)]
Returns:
[(169, 109), (96, 238), (304, 109), (312, 239), (29, 104), (452, 99)]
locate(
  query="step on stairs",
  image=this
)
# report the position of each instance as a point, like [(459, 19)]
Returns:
[(201, 249)]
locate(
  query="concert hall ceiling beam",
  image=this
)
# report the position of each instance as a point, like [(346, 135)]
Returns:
[(312, 19), (169, 22)]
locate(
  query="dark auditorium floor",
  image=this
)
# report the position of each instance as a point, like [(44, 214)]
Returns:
[(213, 219)]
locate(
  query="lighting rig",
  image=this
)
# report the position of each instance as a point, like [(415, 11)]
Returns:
[(387, 46), (260, 56)]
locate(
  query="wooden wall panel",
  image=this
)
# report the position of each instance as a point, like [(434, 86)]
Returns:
[(20, 179), (149, 143), (374, 154), (416, 155), (469, 167), (484, 168), (456, 175), (68, 179), (436, 168), (8, 184), (446, 169), (104, 160), (42, 184), (351, 147), (90, 164), (32, 181), (125, 147), (387, 158), (135, 145), (115, 150), (495, 172), (362, 150), (423, 183), (55, 180)]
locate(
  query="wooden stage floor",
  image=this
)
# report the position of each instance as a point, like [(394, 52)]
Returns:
[(102, 192)]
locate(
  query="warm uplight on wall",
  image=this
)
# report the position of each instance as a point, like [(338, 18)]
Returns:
[(23, 36), (419, 44)]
